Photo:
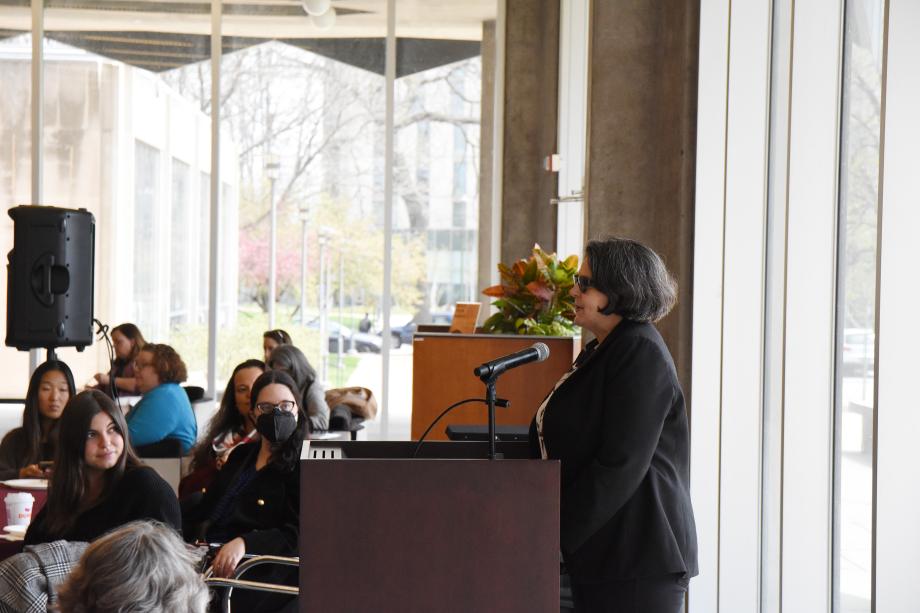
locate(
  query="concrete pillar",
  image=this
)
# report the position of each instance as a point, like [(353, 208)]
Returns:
[(486, 149), (531, 92), (642, 139)]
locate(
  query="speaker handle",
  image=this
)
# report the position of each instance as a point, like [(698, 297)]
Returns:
[(41, 279)]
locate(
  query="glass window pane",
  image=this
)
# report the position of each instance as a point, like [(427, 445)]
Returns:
[(15, 177), (305, 116), (856, 305), (125, 140)]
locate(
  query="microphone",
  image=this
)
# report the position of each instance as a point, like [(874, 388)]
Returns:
[(492, 369)]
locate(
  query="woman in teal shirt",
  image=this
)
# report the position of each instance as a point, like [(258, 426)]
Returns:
[(164, 411)]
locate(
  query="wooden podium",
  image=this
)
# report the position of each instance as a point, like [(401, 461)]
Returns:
[(428, 534)]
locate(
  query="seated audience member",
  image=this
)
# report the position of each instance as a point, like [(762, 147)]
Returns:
[(50, 387), (291, 360), (127, 341), (98, 483), (231, 426), (164, 411), (274, 339), (29, 580), (142, 567), (254, 504)]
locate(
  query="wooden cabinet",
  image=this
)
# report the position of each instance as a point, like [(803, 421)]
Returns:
[(442, 373)]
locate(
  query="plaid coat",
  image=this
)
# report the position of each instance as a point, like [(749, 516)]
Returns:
[(29, 580)]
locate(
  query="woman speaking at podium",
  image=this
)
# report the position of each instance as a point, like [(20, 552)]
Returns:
[(618, 423)]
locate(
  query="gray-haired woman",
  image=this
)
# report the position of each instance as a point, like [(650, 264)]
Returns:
[(142, 567), (618, 423)]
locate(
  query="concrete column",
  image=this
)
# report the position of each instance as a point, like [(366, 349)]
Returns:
[(486, 148), (531, 92), (642, 139)]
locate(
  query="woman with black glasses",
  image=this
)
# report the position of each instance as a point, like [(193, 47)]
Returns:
[(618, 423), (254, 504)]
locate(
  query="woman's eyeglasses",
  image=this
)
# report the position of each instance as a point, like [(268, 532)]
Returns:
[(583, 283), (287, 406)]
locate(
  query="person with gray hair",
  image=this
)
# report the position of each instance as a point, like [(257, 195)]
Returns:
[(618, 424), (141, 567)]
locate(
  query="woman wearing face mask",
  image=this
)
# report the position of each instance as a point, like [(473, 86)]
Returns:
[(254, 504), (98, 483), (127, 341), (231, 426), (50, 387)]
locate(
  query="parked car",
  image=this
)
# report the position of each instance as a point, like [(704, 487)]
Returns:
[(858, 350), (403, 334), (357, 341)]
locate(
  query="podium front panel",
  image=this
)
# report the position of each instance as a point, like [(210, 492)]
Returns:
[(429, 535)]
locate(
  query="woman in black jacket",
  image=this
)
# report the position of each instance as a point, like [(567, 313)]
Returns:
[(618, 423), (254, 504), (98, 484)]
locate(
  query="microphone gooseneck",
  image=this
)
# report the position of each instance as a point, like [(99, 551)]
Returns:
[(493, 368)]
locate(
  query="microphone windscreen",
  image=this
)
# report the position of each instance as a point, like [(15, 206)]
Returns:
[(542, 351)]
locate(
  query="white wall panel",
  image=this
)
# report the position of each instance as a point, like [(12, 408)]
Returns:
[(810, 306), (743, 306), (897, 529), (705, 404)]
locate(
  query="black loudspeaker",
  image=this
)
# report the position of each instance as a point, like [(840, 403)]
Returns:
[(49, 297)]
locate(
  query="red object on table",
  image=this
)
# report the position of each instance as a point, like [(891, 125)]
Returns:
[(8, 548)]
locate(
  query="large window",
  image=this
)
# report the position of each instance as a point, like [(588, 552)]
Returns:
[(15, 172), (303, 165), (855, 383)]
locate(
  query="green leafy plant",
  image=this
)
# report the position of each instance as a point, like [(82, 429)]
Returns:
[(533, 297)]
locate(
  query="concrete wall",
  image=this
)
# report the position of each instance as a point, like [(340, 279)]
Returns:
[(642, 139), (531, 100)]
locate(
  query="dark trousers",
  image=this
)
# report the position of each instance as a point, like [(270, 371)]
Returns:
[(648, 595)]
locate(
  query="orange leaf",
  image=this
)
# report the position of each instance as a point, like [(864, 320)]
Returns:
[(495, 290), (540, 290)]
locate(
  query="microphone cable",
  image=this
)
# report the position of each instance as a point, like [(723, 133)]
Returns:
[(499, 402), (103, 332)]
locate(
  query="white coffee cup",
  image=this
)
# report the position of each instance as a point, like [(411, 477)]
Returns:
[(19, 508)]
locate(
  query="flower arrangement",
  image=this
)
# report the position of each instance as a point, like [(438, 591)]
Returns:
[(533, 297)]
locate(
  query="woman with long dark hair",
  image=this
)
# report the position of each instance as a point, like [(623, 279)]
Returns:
[(231, 426), (127, 341), (254, 504), (50, 387), (98, 482), (292, 360)]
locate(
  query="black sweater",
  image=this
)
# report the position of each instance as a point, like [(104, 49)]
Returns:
[(13, 453), (141, 494)]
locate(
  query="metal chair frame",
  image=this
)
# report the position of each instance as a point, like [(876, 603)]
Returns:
[(250, 561)]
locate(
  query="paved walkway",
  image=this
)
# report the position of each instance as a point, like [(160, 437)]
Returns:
[(393, 421)]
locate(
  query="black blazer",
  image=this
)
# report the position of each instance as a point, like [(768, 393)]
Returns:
[(266, 513), (619, 426)]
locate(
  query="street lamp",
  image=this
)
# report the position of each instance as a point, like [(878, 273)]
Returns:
[(305, 219), (272, 170)]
